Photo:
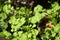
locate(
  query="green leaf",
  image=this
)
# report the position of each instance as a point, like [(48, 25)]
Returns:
[(29, 35), (34, 25), (16, 23), (26, 28), (57, 28), (7, 8), (36, 18), (15, 34), (53, 34), (24, 37), (3, 25), (3, 16), (7, 34), (57, 38), (13, 20), (38, 8), (20, 33), (22, 21)]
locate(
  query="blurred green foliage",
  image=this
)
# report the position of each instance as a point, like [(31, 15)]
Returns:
[(23, 24)]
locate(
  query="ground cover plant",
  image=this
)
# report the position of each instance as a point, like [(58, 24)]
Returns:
[(29, 20)]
